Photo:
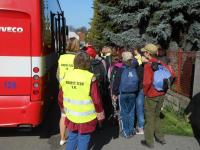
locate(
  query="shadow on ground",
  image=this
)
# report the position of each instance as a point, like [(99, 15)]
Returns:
[(103, 136)]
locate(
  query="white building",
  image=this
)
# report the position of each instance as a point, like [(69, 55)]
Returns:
[(73, 34)]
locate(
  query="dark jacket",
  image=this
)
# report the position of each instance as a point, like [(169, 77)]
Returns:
[(98, 69), (194, 109)]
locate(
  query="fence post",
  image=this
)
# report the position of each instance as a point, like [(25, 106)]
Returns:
[(180, 53), (196, 83)]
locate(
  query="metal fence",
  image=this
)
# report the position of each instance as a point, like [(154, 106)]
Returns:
[(183, 63)]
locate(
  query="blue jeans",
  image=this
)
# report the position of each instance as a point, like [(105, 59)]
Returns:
[(126, 115), (77, 141), (140, 109)]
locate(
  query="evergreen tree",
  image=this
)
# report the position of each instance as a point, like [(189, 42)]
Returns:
[(94, 35), (132, 23), (99, 22)]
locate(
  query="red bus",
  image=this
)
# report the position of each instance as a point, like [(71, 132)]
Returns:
[(32, 33)]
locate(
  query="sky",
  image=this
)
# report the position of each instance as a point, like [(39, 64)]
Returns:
[(78, 13)]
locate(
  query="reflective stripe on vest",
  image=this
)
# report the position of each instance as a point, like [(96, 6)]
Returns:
[(65, 63), (139, 59), (78, 104), (82, 114), (60, 79)]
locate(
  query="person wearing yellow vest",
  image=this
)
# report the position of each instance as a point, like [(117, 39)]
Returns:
[(137, 56), (139, 105), (82, 103), (66, 63)]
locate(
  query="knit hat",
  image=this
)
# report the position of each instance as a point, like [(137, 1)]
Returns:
[(127, 56), (91, 51), (151, 48)]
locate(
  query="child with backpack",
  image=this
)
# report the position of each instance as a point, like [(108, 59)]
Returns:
[(112, 71), (140, 95), (125, 88), (97, 67)]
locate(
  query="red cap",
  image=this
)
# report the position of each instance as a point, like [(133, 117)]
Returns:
[(91, 52)]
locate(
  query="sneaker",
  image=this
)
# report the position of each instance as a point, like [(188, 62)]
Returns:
[(139, 131), (126, 136), (133, 133), (62, 142), (130, 135)]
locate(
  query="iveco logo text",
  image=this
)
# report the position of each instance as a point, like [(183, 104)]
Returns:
[(11, 29)]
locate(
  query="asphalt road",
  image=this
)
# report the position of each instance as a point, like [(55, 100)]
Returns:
[(107, 139)]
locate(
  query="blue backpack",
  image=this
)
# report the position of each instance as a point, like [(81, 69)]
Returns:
[(162, 78), (129, 80)]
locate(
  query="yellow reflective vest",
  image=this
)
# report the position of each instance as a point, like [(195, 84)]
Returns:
[(139, 59), (65, 63), (78, 104)]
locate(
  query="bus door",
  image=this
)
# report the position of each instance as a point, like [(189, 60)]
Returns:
[(58, 32)]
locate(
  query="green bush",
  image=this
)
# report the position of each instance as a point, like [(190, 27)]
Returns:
[(175, 123)]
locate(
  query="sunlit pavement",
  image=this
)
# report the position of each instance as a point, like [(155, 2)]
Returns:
[(46, 137), (107, 139)]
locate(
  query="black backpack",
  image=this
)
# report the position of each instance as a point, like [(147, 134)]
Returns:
[(98, 69), (113, 74)]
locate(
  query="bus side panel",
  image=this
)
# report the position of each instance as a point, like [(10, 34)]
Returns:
[(17, 110), (15, 48), (24, 106), (15, 76), (22, 110), (14, 86)]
